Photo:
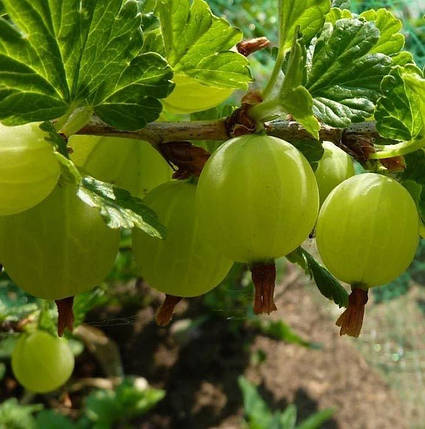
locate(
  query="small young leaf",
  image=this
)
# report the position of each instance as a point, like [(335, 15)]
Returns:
[(118, 208), (328, 285), (294, 97)]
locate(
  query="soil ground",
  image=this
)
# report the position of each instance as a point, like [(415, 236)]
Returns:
[(376, 382), (199, 372)]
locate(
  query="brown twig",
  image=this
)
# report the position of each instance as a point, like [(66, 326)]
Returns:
[(163, 132)]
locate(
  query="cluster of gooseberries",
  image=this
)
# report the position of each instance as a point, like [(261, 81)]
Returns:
[(257, 199)]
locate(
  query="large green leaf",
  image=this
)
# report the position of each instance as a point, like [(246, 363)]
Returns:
[(198, 44), (345, 77), (307, 15), (57, 55)]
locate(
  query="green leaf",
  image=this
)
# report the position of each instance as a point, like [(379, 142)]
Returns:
[(399, 112), (288, 418), (316, 420), (47, 320), (59, 55), (311, 149), (16, 416), (413, 179), (415, 88), (55, 139), (282, 332), (415, 167), (345, 77), (328, 285), (15, 304), (308, 15), (85, 302), (255, 408), (197, 44), (342, 4), (128, 400), (3, 370), (118, 208), (51, 419), (293, 97), (335, 14), (391, 41)]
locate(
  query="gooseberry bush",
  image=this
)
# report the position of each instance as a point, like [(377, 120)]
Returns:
[(100, 103)]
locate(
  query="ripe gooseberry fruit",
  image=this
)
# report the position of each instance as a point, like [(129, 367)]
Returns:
[(183, 264), (367, 235), (58, 249), (258, 197), (334, 167), (133, 165), (190, 95), (42, 363), (29, 170)]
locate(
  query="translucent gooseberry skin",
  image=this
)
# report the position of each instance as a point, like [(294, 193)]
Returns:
[(334, 167), (258, 197), (191, 96), (59, 248), (133, 165), (29, 170), (183, 264), (42, 363), (367, 231)]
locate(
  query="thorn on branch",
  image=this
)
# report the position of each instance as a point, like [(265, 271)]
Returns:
[(188, 159), (248, 47)]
